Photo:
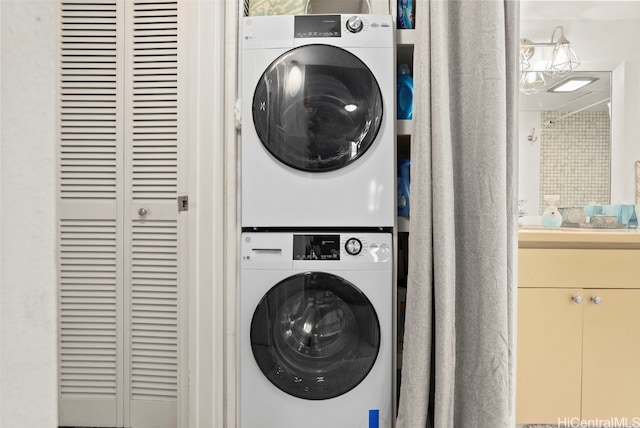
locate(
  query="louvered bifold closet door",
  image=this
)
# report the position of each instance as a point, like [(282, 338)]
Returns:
[(121, 155), (155, 143), (91, 376)]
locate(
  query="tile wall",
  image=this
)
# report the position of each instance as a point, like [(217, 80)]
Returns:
[(575, 158)]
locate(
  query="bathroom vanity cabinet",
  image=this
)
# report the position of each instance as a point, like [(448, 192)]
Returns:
[(578, 326)]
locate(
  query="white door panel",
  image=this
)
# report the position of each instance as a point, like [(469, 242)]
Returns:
[(121, 150)]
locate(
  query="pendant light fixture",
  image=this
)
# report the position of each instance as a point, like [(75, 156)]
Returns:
[(526, 52), (531, 82), (563, 61)]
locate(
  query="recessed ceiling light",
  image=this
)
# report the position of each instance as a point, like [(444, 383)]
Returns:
[(572, 84)]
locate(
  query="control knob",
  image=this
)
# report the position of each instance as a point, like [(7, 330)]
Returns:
[(353, 246), (354, 24)]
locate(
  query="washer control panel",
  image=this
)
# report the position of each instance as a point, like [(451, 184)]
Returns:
[(307, 250), (316, 247), (342, 246)]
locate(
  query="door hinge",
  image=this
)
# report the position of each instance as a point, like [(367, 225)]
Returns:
[(183, 203)]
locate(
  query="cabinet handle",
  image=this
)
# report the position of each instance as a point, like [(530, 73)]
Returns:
[(577, 299), (597, 300), (143, 212)]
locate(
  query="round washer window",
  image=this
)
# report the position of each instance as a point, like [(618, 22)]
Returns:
[(317, 108), (315, 335)]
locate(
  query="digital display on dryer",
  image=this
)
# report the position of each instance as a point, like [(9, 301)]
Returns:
[(316, 247), (316, 26)]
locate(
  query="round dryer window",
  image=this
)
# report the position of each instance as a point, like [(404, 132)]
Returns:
[(317, 108), (315, 335)]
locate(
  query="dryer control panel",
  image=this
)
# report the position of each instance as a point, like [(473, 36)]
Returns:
[(316, 26), (345, 30)]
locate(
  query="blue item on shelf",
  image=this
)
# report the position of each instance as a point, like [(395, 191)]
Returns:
[(627, 213), (613, 210), (633, 221), (592, 209), (406, 14), (403, 187), (405, 93)]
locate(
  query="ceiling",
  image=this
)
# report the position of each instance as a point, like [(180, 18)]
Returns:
[(579, 10), (537, 16)]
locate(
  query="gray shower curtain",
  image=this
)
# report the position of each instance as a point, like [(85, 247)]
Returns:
[(458, 359)]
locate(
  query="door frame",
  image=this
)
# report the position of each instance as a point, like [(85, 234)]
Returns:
[(213, 227)]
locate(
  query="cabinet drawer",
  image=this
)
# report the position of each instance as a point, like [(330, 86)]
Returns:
[(561, 267)]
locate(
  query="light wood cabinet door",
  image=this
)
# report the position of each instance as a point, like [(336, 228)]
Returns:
[(611, 355), (549, 355)]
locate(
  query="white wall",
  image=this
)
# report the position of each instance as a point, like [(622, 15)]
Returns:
[(600, 44), (529, 166), (625, 149), (28, 329)]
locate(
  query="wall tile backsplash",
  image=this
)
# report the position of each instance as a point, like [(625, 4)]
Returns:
[(575, 158)]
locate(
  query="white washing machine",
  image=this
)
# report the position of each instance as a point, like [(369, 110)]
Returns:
[(318, 117), (316, 323)]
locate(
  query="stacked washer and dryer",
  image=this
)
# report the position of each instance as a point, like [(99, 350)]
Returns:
[(318, 210)]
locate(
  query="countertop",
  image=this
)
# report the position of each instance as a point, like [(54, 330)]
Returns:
[(570, 237)]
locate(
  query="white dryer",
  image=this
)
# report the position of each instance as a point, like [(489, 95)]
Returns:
[(316, 323), (318, 117)]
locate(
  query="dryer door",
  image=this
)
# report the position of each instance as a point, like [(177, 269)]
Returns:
[(317, 108), (315, 335)]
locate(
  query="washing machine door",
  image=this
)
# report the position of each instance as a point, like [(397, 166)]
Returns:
[(317, 108), (315, 335)]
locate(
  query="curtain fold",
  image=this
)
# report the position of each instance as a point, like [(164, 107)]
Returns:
[(458, 357)]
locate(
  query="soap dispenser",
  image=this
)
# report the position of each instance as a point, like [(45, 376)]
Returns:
[(551, 216)]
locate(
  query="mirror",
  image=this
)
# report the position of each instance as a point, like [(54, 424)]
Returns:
[(589, 149), (567, 147)]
